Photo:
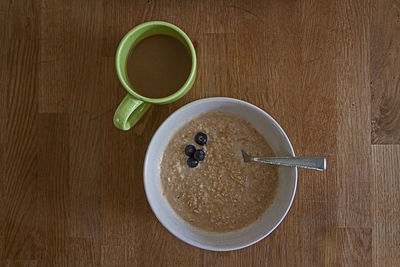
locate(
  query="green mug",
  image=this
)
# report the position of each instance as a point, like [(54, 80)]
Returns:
[(134, 105)]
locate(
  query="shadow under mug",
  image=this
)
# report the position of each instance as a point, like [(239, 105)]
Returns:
[(134, 105)]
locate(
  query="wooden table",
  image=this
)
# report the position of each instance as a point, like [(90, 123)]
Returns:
[(71, 186)]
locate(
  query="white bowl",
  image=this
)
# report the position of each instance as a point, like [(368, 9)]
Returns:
[(253, 233)]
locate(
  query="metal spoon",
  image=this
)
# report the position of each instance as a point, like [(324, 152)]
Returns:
[(315, 163)]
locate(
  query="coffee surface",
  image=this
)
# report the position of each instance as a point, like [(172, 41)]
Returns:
[(158, 66)]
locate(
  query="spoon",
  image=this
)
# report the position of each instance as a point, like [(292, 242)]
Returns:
[(314, 163)]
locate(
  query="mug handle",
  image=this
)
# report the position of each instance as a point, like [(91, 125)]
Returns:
[(129, 112)]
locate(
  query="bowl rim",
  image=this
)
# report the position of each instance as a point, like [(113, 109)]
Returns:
[(176, 233)]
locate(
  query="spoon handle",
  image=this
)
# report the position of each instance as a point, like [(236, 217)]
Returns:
[(315, 163)]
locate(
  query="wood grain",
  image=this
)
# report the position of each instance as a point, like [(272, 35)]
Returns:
[(53, 68), (353, 138), (53, 195), (386, 211), (71, 188), (20, 148), (385, 65), (354, 247), (21, 263), (22, 19), (85, 103)]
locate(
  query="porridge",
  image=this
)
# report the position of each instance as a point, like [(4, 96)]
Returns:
[(205, 179)]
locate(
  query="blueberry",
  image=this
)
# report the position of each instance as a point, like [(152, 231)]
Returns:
[(201, 138), (189, 150), (192, 163), (199, 155)]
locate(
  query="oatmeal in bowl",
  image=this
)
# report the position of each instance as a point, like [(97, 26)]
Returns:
[(217, 192), (198, 185)]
